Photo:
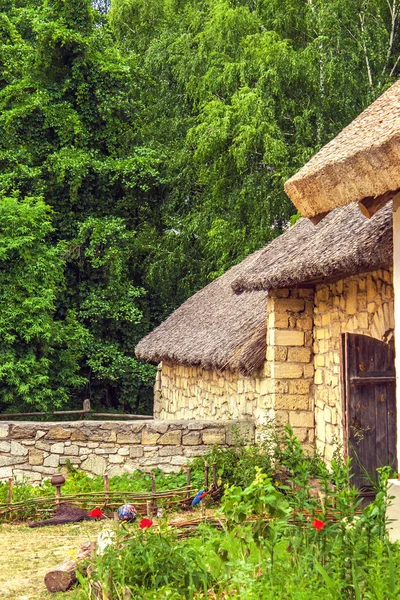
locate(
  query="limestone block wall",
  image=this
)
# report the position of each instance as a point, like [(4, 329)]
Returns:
[(360, 304), (290, 359), (281, 389), (36, 450), (183, 392)]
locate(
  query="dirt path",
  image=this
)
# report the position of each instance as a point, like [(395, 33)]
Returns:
[(27, 554)]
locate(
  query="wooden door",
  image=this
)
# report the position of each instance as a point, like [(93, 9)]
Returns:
[(370, 406)]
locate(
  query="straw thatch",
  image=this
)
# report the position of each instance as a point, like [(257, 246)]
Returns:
[(362, 161), (344, 243), (214, 329)]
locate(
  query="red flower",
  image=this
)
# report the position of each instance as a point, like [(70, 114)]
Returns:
[(96, 513), (145, 523), (318, 524)]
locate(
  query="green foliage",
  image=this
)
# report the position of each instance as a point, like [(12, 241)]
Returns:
[(39, 353), (69, 115), (261, 558)]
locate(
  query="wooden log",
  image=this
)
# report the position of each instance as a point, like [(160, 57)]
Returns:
[(317, 218), (370, 205), (63, 576)]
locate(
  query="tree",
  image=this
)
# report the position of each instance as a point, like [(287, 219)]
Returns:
[(69, 115)]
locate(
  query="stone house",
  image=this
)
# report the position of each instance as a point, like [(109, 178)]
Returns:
[(361, 167), (265, 340)]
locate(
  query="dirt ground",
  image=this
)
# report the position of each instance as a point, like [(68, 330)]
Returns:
[(27, 554)]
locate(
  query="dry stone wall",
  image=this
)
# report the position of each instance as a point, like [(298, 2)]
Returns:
[(183, 392), (360, 304), (39, 450)]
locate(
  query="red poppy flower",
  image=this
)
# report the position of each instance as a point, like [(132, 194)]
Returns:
[(145, 523), (96, 513), (318, 524)]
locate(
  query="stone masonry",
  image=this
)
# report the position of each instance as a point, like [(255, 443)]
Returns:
[(36, 450), (289, 363), (359, 304)]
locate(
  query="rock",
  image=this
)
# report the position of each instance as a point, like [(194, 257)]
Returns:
[(4, 429), (129, 438), (170, 451), (6, 461), (192, 439), (116, 470), (6, 472), (58, 433), (40, 434), (158, 427), (149, 439), (5, 446), (94, 464), (179, 460), (27, 475), (115, 459), (57, 448), (78, 436), (213, 436), (172, 438), (72, 450), (51, 461), (36, 457), (18, 449), (43, 446), (136, 452), (123, 451), (21, 432)]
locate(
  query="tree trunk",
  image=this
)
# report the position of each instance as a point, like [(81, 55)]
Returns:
[(63, 576)]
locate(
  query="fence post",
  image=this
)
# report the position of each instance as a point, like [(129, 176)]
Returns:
[(153, 489), (214, 470), (106, 489), (206, 469), (9, 494), (188, 481)]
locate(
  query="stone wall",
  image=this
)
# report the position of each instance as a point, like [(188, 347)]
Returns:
[(290, 361), (359, 304), (282, 388), (39, 450), (183, 392)]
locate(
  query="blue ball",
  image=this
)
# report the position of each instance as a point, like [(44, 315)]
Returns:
[(127, 512)]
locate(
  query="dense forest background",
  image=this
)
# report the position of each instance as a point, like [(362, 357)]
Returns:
[(143, 151)]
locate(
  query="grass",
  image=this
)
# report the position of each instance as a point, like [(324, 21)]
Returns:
[(27, 554)]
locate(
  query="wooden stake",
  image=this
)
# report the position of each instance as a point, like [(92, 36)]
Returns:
[(58, 494), (206, 469), (106, 489), (148, 508), (10, 488), (9, 494), (188, 481), (214, 470), (153, 489)]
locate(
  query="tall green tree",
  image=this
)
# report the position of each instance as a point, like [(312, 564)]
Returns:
[(244, 92), (69, 115)]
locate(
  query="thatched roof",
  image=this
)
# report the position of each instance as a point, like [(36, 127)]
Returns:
[(344, 243), (218, 328), (362, 161), (215, 328)]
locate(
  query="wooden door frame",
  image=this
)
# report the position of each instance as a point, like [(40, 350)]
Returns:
[(344, 393)]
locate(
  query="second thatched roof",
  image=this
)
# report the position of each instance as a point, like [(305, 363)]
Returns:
[(214, 329), (218, 328), (344, 243)]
